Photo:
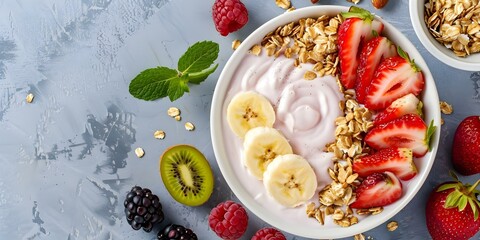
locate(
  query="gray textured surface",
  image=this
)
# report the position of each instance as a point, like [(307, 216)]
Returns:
[(67, 159)]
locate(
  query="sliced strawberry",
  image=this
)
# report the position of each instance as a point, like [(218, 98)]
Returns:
[(408, 131), (402, 106), (395, 77), (396, 160), (378, 190), (352, 34), (371, 54)]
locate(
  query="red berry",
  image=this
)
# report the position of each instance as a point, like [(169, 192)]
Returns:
[(371, 54), (229, 16), (466, 146), (355, 31), (395, 77), (452, 211), (228, 220), (268, 234), (399, 161), (377, 190), (408, 131)]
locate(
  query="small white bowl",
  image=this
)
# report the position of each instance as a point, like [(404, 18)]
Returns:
[(442, 53), (224, 158)]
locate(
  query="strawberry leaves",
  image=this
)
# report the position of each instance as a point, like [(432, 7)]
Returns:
[(356, 12), (461, 196), (194, 66), (405, 56)]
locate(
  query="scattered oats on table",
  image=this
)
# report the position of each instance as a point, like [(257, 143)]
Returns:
[(159, 134), (30, 98), (354, 1), (173, 112), (285, 4), (359, 236), (139, 152), (392, 226), (189, 126), (235, 44), (446, 108)]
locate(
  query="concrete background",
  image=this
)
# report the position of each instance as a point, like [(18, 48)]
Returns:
[(67, 159)]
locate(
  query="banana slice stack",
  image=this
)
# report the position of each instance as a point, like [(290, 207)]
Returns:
[(288, 178), (261, 146)]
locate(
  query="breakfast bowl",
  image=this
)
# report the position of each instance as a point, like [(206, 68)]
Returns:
[(438, 50), (228, 147)]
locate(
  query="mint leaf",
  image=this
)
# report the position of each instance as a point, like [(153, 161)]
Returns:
[(152, 83), (198, 57), (199, 77), (177, 88), (193, 67)]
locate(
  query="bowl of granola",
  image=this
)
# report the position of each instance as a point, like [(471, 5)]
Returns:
[(449, 30), (313, 141)]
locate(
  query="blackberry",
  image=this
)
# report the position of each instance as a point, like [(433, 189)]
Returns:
[(143, 209), (174, 232)]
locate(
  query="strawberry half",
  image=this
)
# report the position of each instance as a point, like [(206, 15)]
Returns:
[(395, 77), (372, 53), (396, 160), (402, 106), (357, 29), (377, 190), (408, 131)]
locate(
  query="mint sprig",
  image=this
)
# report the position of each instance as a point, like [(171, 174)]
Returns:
[(194, 66)]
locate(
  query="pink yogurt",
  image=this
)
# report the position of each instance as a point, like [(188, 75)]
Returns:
[(305, 114)]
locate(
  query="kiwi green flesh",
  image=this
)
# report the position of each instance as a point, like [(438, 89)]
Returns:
[(187, 175)]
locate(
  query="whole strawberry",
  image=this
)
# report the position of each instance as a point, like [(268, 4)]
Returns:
[(452, 211), (466, 146), (229, 16)]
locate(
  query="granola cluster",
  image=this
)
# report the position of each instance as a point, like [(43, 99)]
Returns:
[(306, 40), (336, 197)]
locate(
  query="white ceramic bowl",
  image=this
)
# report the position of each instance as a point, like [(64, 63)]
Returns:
[(442, 53), (224, 158)]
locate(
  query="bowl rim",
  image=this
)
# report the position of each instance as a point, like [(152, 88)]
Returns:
[(427, 40), (222, 158)]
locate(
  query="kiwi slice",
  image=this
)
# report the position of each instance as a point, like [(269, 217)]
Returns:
[(187, 175)]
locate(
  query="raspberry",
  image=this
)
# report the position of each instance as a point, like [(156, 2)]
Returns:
[(268, 234), (228, 220), (229, 16)]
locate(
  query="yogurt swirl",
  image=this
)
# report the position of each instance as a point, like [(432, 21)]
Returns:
[(305, 109), (306, 112)]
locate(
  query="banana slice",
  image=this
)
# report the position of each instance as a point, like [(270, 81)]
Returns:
[(290, 180), (261, 146), (248, 110)]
